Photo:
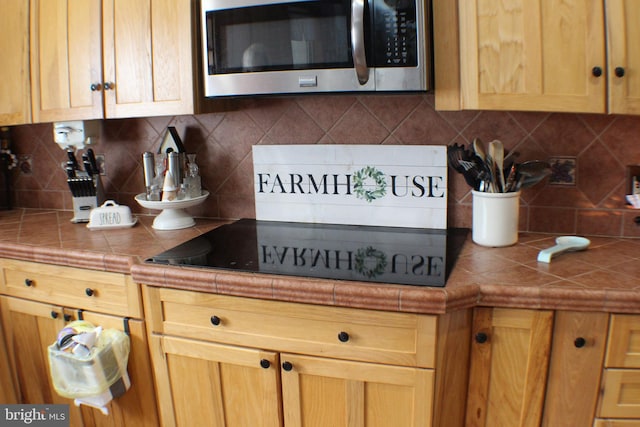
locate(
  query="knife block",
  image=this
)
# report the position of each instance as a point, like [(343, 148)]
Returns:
[(84, 202)]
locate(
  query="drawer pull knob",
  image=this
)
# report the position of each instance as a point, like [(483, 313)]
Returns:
[(580, 342), (90, 292), (619, 71), (215, 320), (28, 282), (67, 317), (287, 366), (481, 338), (596, 71), (54, 314), (343, 336), (265, 363)]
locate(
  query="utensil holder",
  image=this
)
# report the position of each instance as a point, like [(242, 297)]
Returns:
[(495, 218)]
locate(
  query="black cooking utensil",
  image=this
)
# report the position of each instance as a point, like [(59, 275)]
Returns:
[(474, 169), (456, 155)]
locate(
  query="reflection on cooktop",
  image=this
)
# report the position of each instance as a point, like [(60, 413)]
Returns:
[(408, 256)]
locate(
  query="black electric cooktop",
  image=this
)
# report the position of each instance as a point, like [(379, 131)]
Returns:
[(407, 256)]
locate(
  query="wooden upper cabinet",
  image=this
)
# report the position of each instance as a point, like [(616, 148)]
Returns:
[(533, 55), (110, 59), (623, 33), (66, 60), (14, 72), (147, 57)]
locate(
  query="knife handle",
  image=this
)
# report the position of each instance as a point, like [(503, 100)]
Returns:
[(92, 161), (87, 165), (72, 159)]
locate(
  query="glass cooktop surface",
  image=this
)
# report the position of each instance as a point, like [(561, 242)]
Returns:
[(407, 256)]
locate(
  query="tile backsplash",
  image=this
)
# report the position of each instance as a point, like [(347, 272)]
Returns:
[(585, 195)]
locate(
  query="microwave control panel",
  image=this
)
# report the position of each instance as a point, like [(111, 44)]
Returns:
[(394, 33)]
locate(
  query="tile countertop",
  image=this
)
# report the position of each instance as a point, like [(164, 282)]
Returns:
[(606, 277)]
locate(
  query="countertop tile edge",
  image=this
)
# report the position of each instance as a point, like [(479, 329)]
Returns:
[(69, 258), (367, 295), (310, 291)]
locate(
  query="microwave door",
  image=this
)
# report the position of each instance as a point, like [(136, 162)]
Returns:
[(268, 47)]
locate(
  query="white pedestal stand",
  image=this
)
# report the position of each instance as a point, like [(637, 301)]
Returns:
[(173, 216)]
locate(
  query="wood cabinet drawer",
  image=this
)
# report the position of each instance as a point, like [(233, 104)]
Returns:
[(621, 394), (617, 423), (356, 334), (99, 291), (623, 350)]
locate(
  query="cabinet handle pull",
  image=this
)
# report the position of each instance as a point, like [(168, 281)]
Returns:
[(619, 71), (95, 87), (580, 342), (215, 320), (481, 338), (596, 71), (109, 85), (343, 336), (54, 314), (287, 366), (264, 363), (67, 317), (28, 282), (90, 292)]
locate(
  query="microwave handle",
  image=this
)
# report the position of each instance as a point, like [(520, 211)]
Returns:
[(357, 41)]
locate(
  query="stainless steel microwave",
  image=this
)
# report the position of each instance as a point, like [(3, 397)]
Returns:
[(254, 47)]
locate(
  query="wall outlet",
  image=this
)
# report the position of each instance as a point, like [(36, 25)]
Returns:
[(633, 179), (101, 164), (25, 164), (563, 170)]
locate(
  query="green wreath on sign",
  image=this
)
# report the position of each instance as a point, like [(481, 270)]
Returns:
[(365, 174), (376, 256)]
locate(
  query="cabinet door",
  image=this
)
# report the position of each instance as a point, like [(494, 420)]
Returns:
[(31, 327), (577, 353), (623, 34), (66, 62), (147, 57), (15, 104), (508, 372), (328, 392), (201, 383), (7, 388), (137, 406), (532, 55)]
